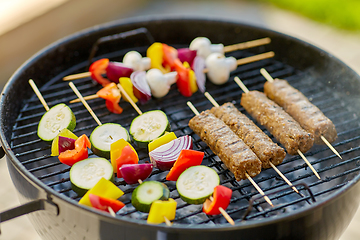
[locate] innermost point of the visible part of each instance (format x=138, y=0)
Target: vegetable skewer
x=293, y=147
x=258, y=151
x=245, y=173
x=317, y=123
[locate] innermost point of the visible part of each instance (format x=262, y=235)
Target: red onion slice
x=165, y=156
x=116, y=70
x=186, y=55
x=66, y=144
x=198, y=67
x=140, y=86
x=132, y=173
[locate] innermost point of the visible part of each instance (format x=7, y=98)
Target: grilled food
x=232, y=151
x=260, y=143
x=301, y=109
x=280, y=124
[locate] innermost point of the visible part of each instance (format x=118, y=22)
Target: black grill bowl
x=329, y=84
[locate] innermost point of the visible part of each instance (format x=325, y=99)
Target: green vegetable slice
x=53, y=121
x=103, y=136
x=146, y=193
x=86, y=173
x=149, y=126
x=197, y=183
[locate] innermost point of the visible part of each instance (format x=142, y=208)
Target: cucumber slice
x=197, y=183
x=53, y=121
x=103, y=136
x=86, y=173
x=149, y=126
x=146, y=193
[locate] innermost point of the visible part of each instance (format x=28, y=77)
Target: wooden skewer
x=111, y=211
x=167, y=221
x=122, y=90
x=230, y=48
x=213, y=101
x=38, y=94
x=269, y=78
x=246, y=45
x=76, y=91
x=245, y=90
x=90, y=97
x=224, y=213
x=191, y=106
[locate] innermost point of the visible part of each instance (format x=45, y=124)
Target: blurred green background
x=343, y=14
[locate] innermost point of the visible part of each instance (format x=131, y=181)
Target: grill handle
x=33, y=206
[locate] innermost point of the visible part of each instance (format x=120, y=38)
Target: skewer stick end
x=330, y=146
x=167, y=221
x=266, y=75
x=309, y=164
x=191, y=106
x=241, y=84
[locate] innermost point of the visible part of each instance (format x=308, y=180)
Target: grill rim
x=184, y=227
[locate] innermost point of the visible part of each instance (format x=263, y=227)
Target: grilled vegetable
x=103, y=136
x=148, y=192
x=149, y=126
x=103, y=203
x=186, y=159
x=167, y=137
x=127, y=156
x=66, y=144
x=112, y=96
x=53, y=121
x=116, y=150
x=221, y=199
x=196, y=184
x=70, y=157
x=86, y=173
x=161, y=209
x=132, y=173
x=103, y=188
x=55, y=143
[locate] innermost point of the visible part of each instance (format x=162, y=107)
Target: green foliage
x=339, y=13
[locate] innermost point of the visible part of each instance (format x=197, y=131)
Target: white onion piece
x=140, y=86
x=134, y=60
x=165, y=156
x=198, y=67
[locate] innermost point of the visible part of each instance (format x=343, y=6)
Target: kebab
x=297, y=105
x=279, y=123
x=231, y=150
x=269, y=153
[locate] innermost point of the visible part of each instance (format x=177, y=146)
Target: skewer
x=246, y=45
x=76, y=91
x=245, y=90
x=191, y=106
x=90, y=97
x=269, y=78
x=38, y=94
x=213, y=101
x=122, y=90
x=77, y=76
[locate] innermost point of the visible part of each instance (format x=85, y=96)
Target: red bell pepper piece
x=169, y=57
x=103, y=203
x=183, y=82
x=97, y=69
x=70, y=157
x=112, y=96
x=128, y=156
x=186, y=159
x=221, y=198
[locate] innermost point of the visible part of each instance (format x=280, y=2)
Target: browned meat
x=260, y=143
x=232, y=151
x=280, y=124
x=301, y=109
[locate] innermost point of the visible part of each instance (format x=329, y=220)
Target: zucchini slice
x=86, y=173
x=149, y=126
x=146, y=193
x=56, y=119
x=103, y=136
x=197, y=183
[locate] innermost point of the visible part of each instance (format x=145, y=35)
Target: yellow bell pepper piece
x=192, y=78
x=116, y=149
x=167, y=137
x=155, y=53
x=103, y=188
x=160, y=209
x=126, y=83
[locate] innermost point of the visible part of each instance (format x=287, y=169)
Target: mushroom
x=160, y=83
x=134, y=60
x=219, y=67
x=204, y=47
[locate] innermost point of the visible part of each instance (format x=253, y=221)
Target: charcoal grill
x=43, y=182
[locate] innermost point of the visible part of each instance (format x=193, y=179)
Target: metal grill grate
x=34, y=154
